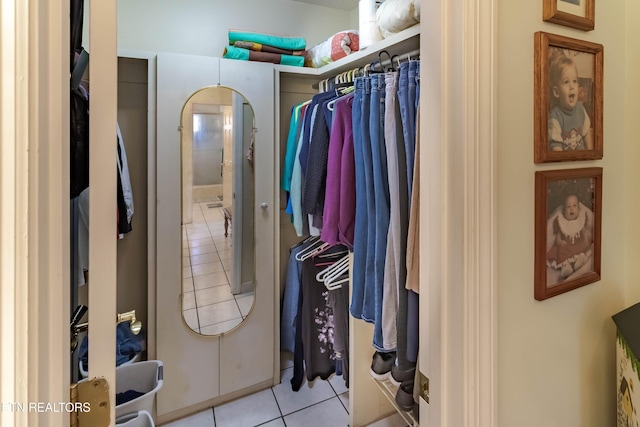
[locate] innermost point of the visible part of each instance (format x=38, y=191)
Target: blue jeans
x=381, y=199
x=368, y=308
x=407, y=97
x=360, y=231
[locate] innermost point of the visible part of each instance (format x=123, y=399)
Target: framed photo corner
x=568, y=99
x=579, y=14
x=568, y=220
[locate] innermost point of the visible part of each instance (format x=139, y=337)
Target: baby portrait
x=568, y=89
x=570, y=229
x=570, y=100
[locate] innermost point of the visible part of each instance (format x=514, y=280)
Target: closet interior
x=294, y=87
x=133, y=261
x=201, y=371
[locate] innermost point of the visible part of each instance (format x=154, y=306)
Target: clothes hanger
x=338, y=268
x=317, y=250
x=335, y=284
x=340, y=92
x=307, y=239
x=334, y=279
x=336, y=265
x=397, y=58
x=314, y=250
x=312, y=246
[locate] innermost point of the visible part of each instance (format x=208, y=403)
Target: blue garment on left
x=127, y=345
x=290, y=301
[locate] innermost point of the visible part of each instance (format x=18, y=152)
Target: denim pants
x=392, y=260
x=407, y=96
x=369, y=296
x=360, y=232
x=380, y=211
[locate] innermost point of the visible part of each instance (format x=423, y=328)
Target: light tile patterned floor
x=316, y=404
x=209, y=307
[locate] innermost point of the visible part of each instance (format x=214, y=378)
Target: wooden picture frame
x=578, y=14
x=568, y=99
x=568, y=219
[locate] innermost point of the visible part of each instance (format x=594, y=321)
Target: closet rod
x=379, y=63
x=389, y=61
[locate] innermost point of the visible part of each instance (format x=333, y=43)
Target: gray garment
x=392, y=260
x=339, y=301
x=403, y=212
x=82, y=261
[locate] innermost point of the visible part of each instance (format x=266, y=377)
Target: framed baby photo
x=578, y=14
x=567, y=99
x=568, y=218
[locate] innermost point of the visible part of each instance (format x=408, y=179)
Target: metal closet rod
x=389, y=61
x=379, y=64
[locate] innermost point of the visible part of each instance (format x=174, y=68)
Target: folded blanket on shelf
x=335, y=47
x=394, y=16
x=281, y=42
x=259, y=47
x=232, y=52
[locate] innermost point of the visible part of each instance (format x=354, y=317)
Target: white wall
x=556, y=362
x=632, y=170
x=200, y=27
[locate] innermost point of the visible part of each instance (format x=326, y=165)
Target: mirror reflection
x=218, y=257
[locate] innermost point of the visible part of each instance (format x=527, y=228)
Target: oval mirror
x=218, y=257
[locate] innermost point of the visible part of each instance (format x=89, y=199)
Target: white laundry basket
x=138, y=419
x=144, y=377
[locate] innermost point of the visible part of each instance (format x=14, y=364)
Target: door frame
x=458, y=253
x=35, y=206
x=33, y=183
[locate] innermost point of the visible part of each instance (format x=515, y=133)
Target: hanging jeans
x=369, y=309
x=380, y=211
x=392, y=260
x=360, y=234
x=407, y=99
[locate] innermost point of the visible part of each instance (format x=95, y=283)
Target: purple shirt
x=340, y=196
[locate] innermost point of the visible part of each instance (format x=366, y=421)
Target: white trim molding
x=480, y=167
x=458, y=212
x=34, y=209
x=103, y=75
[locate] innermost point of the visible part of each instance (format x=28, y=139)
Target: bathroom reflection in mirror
x=218, y=182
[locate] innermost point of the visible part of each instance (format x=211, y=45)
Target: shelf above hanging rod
x=405, y=41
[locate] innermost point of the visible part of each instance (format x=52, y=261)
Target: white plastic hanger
x=333, y=279
x=314, y=243
x=321, y=275
x=315, y=251
x=331, y=284
x=314, y=248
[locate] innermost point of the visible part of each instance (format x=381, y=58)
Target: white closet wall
x=199, y=27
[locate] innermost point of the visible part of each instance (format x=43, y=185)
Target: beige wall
x=632, y=170
x=132, y=250
x=556, y=362
x=199, y=27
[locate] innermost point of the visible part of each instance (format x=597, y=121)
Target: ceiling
x=334, y=4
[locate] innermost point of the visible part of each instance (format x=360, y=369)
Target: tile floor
x=208, y=305
x=317, y=404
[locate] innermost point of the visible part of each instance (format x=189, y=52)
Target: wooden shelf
x=397, y=44
x=389, y=390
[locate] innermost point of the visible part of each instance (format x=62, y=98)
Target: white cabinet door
x=200, y=368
